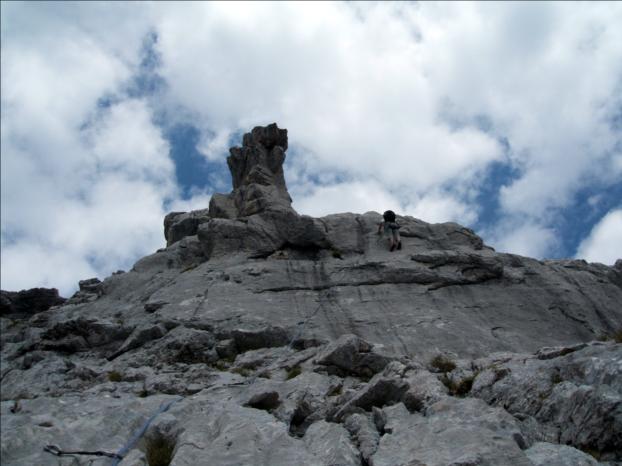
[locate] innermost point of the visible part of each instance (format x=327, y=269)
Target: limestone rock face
x=178, y=225
x=563, y=393
x=28, y=302
x=284, y=339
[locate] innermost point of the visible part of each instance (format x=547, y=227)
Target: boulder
x=424, y=389
x=81, y=334
x=379, y=392
x=364, y=432
x=576, y=392
x=549, y=454
x=267, y=337
x=185, y=345
x=331, y=445
x=139, y=337
x=453, y=432
x=353, y=355
x=265, y=400
x=178, y=225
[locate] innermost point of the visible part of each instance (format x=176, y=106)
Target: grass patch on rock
x=243, y=371
x=115, y=376
x=614, y=336
x=442, y=363
x=337, y=390
x=293, y=372
x=159, y=450
x=461, y=388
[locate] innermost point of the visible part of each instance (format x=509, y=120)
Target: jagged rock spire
x=258, y=184
x=260, y=159
x=257, y=175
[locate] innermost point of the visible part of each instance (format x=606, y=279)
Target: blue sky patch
x=193, y=170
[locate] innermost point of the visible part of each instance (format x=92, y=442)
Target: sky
x=504, y=117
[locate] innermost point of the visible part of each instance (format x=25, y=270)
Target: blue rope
x=140, y=432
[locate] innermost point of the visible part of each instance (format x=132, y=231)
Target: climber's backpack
x=389, y=216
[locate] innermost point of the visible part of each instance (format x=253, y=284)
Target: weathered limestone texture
x=284, y=339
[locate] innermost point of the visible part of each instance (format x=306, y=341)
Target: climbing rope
x=140, y=432
x=119, y=455
x=55, y=450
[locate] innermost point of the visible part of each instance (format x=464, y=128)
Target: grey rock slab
x=365, y=433
x=229, y=434
x=93, y=332
x=380, y=391
x=331, y=444
x=185, y=345
x=45, y=378
x=299, y=397
x=454, y=432
x=178, y=225
x=252, y=339
x=424, y=389
x=382, y=302
x=353, y=355
x=549, y=454
x=222, y=206
x=577, y=393
x=72, y=423
x=139, y=337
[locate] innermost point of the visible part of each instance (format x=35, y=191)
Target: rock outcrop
x=28, y=302
x=284, y=339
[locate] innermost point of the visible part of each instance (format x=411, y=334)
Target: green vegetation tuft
x=190, y=267
x=293, y=372
x=335, y=391
x=461, y=388
x=115, y=376
x=159, y=450
x=614, y=336
x=556, y=378
x=464, y=386
x=593, y=452
x=243, y=371
x=220, y=365
x=442, y=363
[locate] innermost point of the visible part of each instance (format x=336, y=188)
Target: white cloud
x=98, y=211
x=83, y=187
x=604, y=243
x=26, y=265
x=437, y=207
x=352, y=92
x=366, y=89
x=545, y=75
x=123, y=138
x=526, y=239
x=357, y=197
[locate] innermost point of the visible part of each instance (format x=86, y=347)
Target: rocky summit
x=259, y=336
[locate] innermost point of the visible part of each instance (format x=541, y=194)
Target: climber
x=391, y=230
